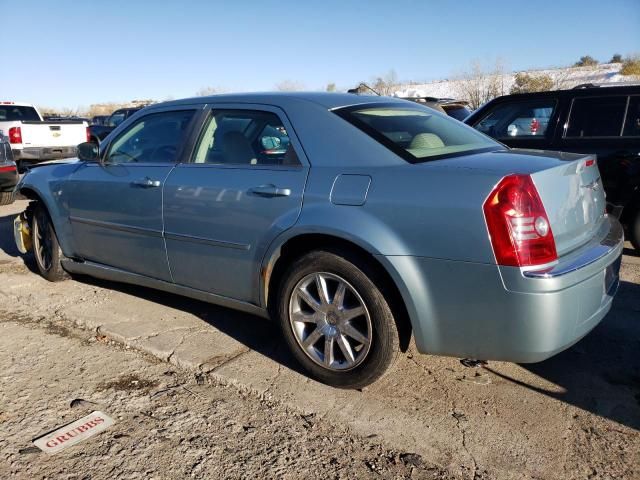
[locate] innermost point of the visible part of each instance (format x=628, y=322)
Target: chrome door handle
x=270, y=191
x=146, y=183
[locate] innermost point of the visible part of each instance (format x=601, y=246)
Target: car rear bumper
x=44, y=153
x=498, y=313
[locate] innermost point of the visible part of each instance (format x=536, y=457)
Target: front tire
x=336, y=320
x=46, y=248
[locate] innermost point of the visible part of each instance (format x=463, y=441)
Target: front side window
x=245, y=137
x=632, y=123
x=528, y=119
x=416, y=133
x=155, y=138
x=596, y=117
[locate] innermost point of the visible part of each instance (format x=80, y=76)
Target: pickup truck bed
x=35, y=140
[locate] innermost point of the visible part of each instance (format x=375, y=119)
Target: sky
x=67, y=53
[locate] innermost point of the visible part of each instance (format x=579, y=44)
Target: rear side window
x=632, y=123
x=527, y=119
x=245, y=137
x=417, y=134
x=596, y=117
x=16, y=113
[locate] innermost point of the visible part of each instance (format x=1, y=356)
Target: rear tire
x=341, y=330
x=7, y=198
x=46, y=248
x=634, y=231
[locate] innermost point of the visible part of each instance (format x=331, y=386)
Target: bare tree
x=386, y=84
x=289, y=86
x=206, y=91
x=526, y=82
x=480, y=84
x=586, y=61
x=616, y=58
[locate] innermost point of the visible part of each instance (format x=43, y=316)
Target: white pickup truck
x=34, y=140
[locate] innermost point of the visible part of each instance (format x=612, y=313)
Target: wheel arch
x=299, y=244
x=61, y=229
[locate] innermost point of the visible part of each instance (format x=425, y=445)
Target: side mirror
x=88, y=152
x=270, y=143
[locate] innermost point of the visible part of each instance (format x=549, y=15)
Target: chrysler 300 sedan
x=353, y=222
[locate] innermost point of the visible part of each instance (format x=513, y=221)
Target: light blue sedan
x=355, y=222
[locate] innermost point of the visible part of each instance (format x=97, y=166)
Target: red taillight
x=518, y=225
x=535, y=124
x=15, y=135
x=88, y=134
x=10, y=168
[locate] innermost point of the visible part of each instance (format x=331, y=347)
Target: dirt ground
x=217, y=395
x=168, y=424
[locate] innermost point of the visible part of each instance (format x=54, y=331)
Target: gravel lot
x=251, y=413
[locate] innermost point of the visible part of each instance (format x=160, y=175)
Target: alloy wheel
x=330, y=321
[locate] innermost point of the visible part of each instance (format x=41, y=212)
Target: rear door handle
x=146, y=183
x=270, y=191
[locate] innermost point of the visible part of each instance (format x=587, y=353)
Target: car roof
x=596, y=91
x=324, y=99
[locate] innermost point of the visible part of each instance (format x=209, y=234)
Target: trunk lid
x=569, y=186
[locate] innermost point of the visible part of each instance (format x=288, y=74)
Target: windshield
x=416, y=133
x=15, y=113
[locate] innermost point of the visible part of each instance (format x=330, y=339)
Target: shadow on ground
x=600, y=374
x=631, y=252
x=7, y=244
x=256, y=333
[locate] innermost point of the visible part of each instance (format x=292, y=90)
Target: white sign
x=73, y=433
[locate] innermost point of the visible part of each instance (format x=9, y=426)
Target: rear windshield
x=417, y=134
x=459, y=112
x=13, y=113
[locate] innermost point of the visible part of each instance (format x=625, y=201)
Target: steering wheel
x=164, y=152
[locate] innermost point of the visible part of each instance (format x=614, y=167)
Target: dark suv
x=457, y=109
x=98, y=132
x=603, y=120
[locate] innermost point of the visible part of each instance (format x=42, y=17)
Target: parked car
x=99, y=120
x=8, y=171
x=33, y=139
x=600, y=120
x=98, y=132
x=383, y=217
x=457, y=109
